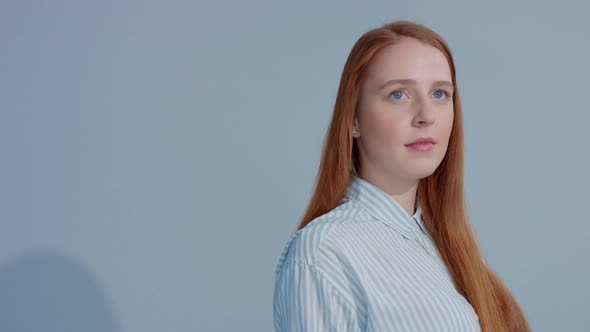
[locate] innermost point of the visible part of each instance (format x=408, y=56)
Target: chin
x=423, y=171
x=424, y=175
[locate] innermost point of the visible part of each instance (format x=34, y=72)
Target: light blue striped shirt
x=366, y=265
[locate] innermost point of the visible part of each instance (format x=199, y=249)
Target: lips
x=421, y=146
x=423, y=140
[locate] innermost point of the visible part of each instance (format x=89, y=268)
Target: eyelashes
x=399, y=93
x=446, y=94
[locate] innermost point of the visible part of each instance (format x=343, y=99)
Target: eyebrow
x=413, y=82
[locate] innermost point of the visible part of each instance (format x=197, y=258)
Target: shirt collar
x=383, y=207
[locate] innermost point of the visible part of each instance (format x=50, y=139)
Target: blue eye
x=438, y=93
x=396, y=94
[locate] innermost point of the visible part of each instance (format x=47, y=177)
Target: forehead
x=409, y=58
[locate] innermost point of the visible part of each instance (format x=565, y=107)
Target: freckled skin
x=386, y=121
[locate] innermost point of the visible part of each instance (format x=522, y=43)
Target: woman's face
x=392, y=115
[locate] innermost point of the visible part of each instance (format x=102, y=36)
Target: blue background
x=155, y=156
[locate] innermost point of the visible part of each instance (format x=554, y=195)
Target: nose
x=424, y=112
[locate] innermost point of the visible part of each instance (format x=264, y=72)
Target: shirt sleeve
x=305, y=300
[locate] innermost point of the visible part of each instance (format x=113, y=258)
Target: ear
x=356, y=126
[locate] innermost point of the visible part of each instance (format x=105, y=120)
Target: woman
x=386, y=243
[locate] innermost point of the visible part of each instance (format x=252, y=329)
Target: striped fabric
x=366, y=265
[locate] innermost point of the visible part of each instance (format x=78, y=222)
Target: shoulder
x=304, y=245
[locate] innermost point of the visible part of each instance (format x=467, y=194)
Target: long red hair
x=440, y=195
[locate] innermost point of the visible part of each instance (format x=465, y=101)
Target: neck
x=403, y=192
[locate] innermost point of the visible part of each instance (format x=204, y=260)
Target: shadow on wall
x=49, y=292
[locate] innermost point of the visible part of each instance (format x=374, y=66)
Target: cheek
x=386, y=131
x=449, y=123
x=383, y=122
x=445, y=129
